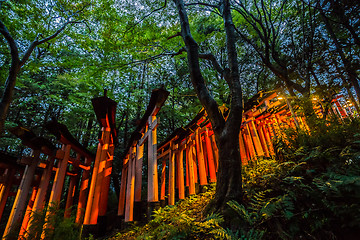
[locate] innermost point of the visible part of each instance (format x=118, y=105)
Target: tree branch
x=212, y=59
x=211, y=106
x=147, y=15
x=11, y=42
x=37, y=42
x=201, y=4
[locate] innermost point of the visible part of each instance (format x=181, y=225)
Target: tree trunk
x=11, y=79
x=229, y=179
x=7, y=95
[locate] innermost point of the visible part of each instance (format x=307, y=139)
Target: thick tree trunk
x=11, y=79
x=229, y=179
x=7, y=95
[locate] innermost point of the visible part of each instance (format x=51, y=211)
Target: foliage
x=60, y=227
x=182, y=221
x=313, y=192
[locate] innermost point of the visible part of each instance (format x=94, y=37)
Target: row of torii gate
x=181, y=166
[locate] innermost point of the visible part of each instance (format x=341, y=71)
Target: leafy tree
x=19, y=56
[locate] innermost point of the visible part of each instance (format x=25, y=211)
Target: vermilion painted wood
x=172, y=175
x=138, y=171
x=90, y=200
x=57, y=188
x=71, y=189
x=263, y=141
x=215, y=150
x=84, y=190
x=28, y=213
x=180, y=160
x=130, y=188
x=152, y=162
x=244, y=158
x=200, y=159
x=210, y=155
x=191, y=170
x=101, y=173
x=22, y=194
x=6, y=190
x=256, y=139
x=106, y=180
x=163, y=178
x=124, y=172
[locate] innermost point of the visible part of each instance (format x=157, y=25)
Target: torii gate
x=131, y=176
x=34, y=166
x=96, y=207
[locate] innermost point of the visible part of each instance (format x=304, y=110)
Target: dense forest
x=56, y=55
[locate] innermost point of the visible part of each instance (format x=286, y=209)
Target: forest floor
x=185, y=220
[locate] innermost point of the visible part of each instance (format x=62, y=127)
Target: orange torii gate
x=96, y=207
x=131, y=176
x=38, y=173
x=38, y=145
x=11, y=174
x=64, y=136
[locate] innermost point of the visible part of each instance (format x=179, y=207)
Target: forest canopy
x=307, y=47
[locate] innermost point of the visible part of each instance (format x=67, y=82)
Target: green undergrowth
x=310, y=190
x=185, y=220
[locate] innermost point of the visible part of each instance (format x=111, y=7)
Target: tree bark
x=229, y=180
x=11, y=79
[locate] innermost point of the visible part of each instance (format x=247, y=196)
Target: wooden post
x=206, y=158
x=172, y=174
x=22, y=194
x=191, y=169
x=104, y=196
x=268, y=138
x=216, y=151
x=28, y=213
x=56, y=190
x=7, y=187
x=71, y=190
x=249, y=142
x=130, y=189
x=138, y=181
x=187, y=149
x=342, y=112
x=138, y=171
x=263, y=141
x=92, y=185
x=163, y=179
x=255, y=138
x=180, y=170
x=124, y=172
x=152, y=161
x=200, y=158
x=243, y=156
x=41, y=194
x=99, y=180
x=210, y=155
x=84, y=189
x=194, y=157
